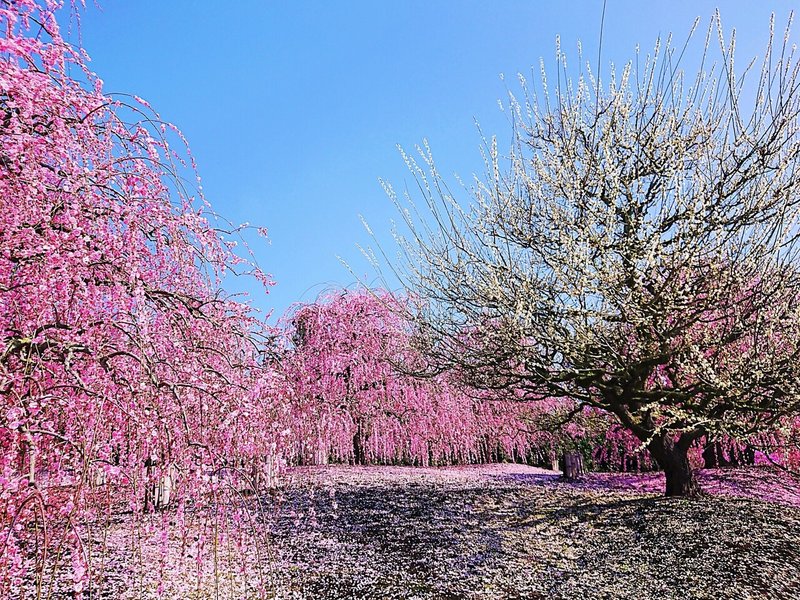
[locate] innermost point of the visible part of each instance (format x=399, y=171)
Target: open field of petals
x=497, y=532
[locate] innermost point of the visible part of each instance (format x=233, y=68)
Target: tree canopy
x=122, y=359
x=354, y=399
x=636, y=251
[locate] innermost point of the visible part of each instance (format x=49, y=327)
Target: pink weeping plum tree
x=355, y=398
x=123, y=364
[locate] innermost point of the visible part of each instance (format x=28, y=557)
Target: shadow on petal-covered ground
x=494, y=532
x=509, y=531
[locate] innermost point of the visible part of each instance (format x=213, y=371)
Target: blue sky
x=294, y=109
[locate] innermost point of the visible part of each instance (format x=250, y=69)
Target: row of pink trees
x=129, y=379
x=123, y=365
x=355, y=398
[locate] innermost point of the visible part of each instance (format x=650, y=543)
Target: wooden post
x=163, y=490
x=158, y=493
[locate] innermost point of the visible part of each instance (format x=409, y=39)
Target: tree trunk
x=359, y=451
x=714, y=455
x=748, y=456
x=158, y=492
x=572, y=466
x=673, y=458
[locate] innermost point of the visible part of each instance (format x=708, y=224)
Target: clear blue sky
x=294, y=109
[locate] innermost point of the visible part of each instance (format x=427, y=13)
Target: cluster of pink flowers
x=128, y=378
x=357, y=396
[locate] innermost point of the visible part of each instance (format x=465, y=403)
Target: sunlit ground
x=510, y=531
x=481, y=532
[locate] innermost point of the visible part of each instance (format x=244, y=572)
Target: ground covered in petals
x=509, y=531
x=486, y=532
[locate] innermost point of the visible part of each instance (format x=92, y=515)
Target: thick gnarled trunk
x=673, y=458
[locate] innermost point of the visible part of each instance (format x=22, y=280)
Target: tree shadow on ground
x=764, y=483
x=528, y=536
x=528, y=478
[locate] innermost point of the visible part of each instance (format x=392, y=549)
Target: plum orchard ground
x=499, y=532
x=509, y=531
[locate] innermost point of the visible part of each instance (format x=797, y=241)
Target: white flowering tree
x=636, y=251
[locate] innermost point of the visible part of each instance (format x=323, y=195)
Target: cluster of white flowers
x=636, y=250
